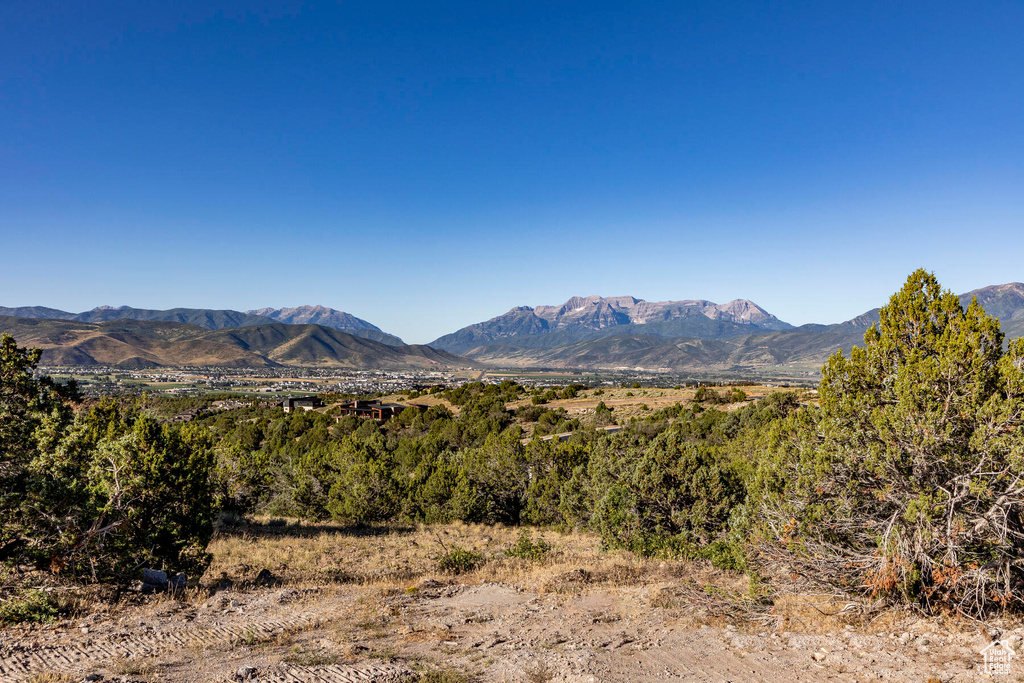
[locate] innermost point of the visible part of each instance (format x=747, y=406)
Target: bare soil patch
x=343, y=604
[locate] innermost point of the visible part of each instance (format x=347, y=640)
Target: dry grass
x=445, y=676
x=52, y=678
x=540, y=672
x=394, y=561
x=133, y=666
x=628, y=403
x=302, y=554
x=377, y=574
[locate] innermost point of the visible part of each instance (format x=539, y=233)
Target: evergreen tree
x=100, y=494
x=909, y=479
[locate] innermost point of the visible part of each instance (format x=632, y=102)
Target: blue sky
x=429, y=165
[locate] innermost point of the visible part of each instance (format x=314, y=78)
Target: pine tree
x=909, y=479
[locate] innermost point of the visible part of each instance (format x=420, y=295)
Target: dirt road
x=445, y=631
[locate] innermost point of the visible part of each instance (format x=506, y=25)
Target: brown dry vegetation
x=627, y=403
x=304, y=554
x=371, y=601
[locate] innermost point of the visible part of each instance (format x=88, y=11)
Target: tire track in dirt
x=709, y=658
x=337, y=674
x=20, y=661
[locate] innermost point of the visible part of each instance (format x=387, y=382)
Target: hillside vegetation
x=902, y=484
x=139, y=344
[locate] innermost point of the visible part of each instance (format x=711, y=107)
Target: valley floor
x=371, y=605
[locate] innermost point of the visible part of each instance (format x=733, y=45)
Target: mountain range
x=218, y=319
x=682, y=336
x=585, y=318
x=597, y=333
x=328, y=317
x=132, y=344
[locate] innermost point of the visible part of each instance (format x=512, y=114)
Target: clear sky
x=427, y=165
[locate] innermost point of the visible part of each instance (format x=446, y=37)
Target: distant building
x=381, y=412
x=304, y=402
x=357, y=408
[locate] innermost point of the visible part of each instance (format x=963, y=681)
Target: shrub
x=660, y=497
x=457, y=560
x=498, y=474
x=100, y=495
x=908, y=482
x=725, y=555
x=603, y=415
x=28, y=606
x=530, y=413
x=526, y=548
x=709, y=395
x=737, y=396
x=152, y=483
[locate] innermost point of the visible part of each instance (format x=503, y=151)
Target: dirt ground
x=372, y=605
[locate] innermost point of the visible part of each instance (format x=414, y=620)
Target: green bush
x=32, y=606
x=724, y=555
x=908, y=482
x=708, y=395
x=668, y=488
x=457, y=560
x=153, y=482
x=603, y=415
x=99, y=494
x=526, y=548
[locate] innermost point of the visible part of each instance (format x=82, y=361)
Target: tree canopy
x=908, y=478
x=99, y=494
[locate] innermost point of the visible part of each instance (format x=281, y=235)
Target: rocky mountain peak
x=589, y=317
x=328, y=317
x=744, y=310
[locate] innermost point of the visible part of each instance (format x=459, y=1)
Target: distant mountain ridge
x=217, y=319
x=40, y=312
x=328, y=317
x=800, y=349
x=1006, y=302
x=206, y=318
x=591, y=317
x=585, y=332
x=133, y=344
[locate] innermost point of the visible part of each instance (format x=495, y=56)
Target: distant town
x=101, y=381
x=277, y=383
